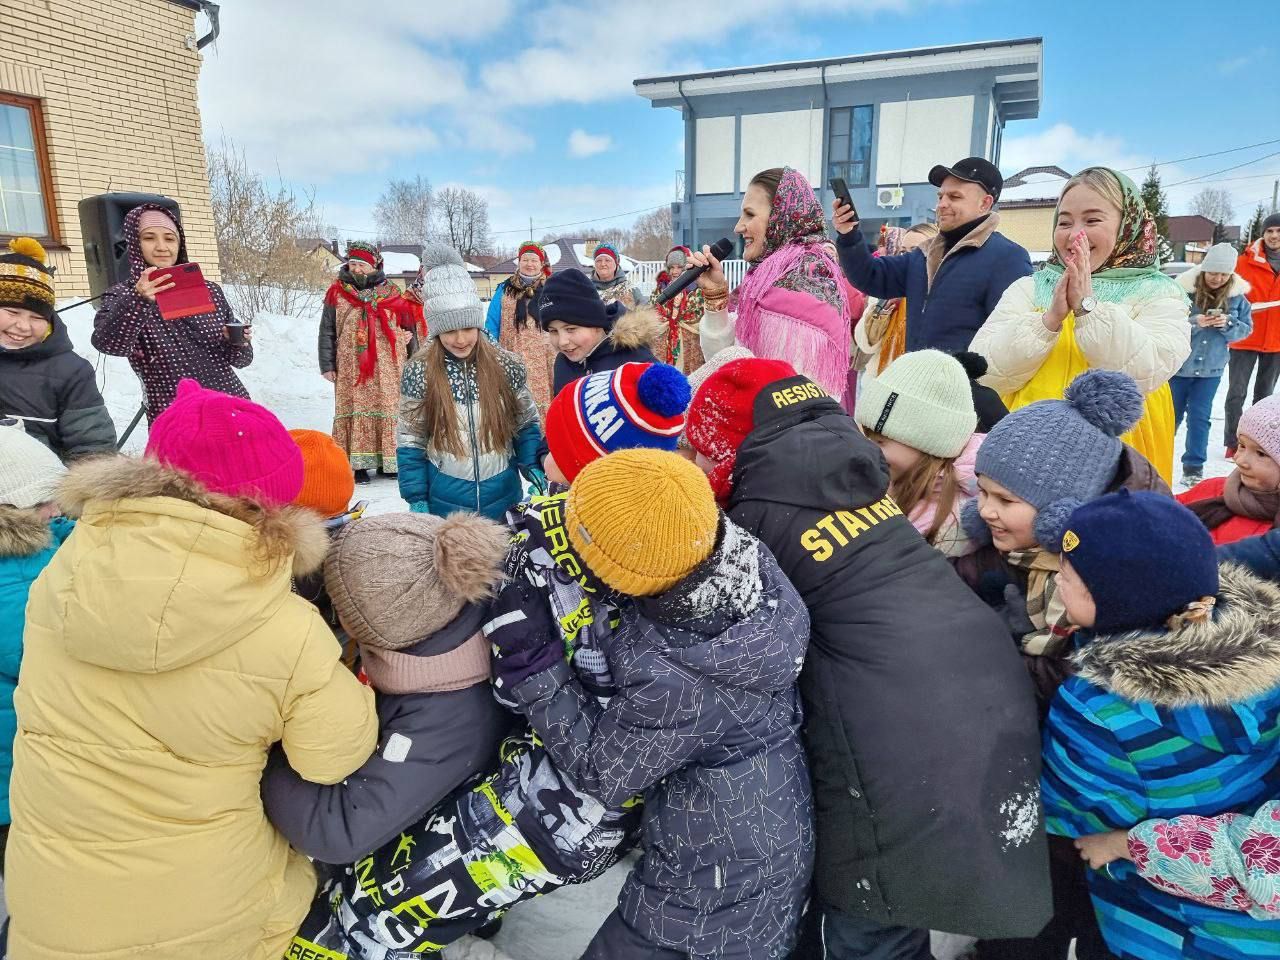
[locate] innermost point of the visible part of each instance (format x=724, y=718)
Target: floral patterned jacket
x=1231, y=861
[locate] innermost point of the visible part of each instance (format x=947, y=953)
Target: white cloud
x=307, y=90
x=583, y=144
x=1235, y=64
x=581, y=57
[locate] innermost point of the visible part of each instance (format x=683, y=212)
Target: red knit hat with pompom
x=722, y=414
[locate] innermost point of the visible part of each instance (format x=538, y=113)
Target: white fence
x=645, y=273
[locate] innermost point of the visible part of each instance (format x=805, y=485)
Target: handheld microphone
x=723, y=247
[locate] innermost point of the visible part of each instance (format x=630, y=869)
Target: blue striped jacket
x=1165, y=723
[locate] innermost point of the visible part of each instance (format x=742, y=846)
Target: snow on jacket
x=951, y=539
x=162, y=352
x=950, y=293
x=1231, y=861
x=1158, y=724
x=481, y=481
x=27, y=544
x=1209, y=345
x=1264, y=298
x=630, y=341
x=954, y=839
x=164, y=655
x=1148, y=339
x=1238, y=527
x=429, y=744
x=53, y=391
x=705, y=722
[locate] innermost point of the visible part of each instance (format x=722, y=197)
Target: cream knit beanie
x=29, y=471
x=922, y=400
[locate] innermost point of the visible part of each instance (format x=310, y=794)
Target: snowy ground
x=285, y=378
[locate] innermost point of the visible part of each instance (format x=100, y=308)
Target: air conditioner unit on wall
x=889, y=196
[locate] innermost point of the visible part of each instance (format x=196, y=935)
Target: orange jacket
x=1264, y=295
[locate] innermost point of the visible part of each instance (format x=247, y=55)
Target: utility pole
x=1275, y=195
x=531, y=229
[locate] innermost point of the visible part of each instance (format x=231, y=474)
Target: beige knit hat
x=399, y=578
x=923, y=400
x=29, y=471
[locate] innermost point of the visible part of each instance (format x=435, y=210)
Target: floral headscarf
x=796, y=216
x=1136, y=240
x=1133, y=268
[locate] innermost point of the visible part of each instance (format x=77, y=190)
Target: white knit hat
x=29, y=471
x=449, y=298
x=923, y=400
x=1221, y=258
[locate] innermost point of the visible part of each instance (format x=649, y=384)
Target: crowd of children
x=840, y=680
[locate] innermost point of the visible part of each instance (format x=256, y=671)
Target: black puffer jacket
x=52, y=390
x=919, y=719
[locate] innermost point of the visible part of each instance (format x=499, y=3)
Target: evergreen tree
x=1254, y=230
x=1219, y=232
x=1158, y=206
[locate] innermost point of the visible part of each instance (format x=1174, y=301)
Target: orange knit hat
x=327, y=481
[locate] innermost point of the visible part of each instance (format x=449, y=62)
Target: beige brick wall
x=1032, y=227
x=118, y=89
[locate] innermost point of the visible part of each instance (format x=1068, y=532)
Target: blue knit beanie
x=1057, y=454
x=571, y=297
x=1143, y=556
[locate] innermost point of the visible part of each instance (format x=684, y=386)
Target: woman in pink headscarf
x=791, y=305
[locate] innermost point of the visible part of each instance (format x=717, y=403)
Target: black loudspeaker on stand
x=102, y=226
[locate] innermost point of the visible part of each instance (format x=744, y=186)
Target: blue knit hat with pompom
x=1058, y=454
x=636, y=405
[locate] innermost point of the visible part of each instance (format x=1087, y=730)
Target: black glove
x=524, y=638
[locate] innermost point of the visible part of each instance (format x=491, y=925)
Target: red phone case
x=189, y=296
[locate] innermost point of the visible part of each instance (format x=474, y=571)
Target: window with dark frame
x=26, y=181
x=849, y=145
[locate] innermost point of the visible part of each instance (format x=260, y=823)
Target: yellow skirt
x=1152, y=437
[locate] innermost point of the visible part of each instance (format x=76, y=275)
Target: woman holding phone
x=1220, y=315
x=1100, y=302
x=163, y=352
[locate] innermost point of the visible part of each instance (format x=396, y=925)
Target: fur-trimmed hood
x=1231, y=658
x=167, y=573
x=23, y=533
x=1187, y=281
x=636, y=328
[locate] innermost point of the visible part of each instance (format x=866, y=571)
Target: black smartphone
x=841, y=190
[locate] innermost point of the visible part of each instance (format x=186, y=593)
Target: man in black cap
x=954, y=281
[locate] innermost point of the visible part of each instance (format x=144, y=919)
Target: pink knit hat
x=232, y=446
x=156, y=218
x=1261, y=424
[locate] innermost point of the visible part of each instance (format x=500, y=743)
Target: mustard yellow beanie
x=641, y=520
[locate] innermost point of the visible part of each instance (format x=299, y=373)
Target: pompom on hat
x=641, y=520
x=327, y=482
x=636, y=405
x=1058, y=454
x=231, y=446
x=26, y=280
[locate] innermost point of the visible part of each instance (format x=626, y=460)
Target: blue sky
x=531, y=103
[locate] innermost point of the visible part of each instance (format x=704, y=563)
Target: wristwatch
x=1087, y=305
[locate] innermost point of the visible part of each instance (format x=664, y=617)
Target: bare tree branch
x=403, y=212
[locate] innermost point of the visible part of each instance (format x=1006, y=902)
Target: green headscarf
x=1132, y=271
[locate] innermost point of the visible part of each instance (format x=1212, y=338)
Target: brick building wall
x=1031, y=227
x=116, y=82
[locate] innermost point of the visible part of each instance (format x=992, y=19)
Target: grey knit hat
x=1221, y=258
x=1058, y=454
x=713, y=363
x=398, y=578
x=449, y=298
x=29, y=471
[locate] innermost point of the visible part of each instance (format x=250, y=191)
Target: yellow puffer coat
x=164, y=656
